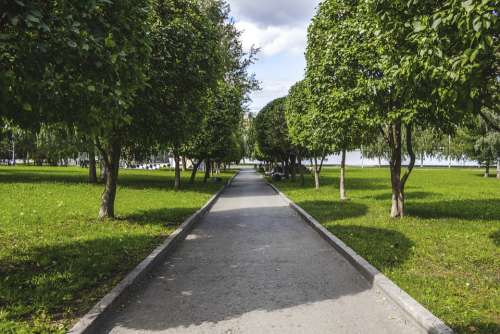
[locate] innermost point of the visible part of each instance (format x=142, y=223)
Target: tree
x=93, y=88
x=457, y=45
x=387, y=85
x=271, y=134
x=482, y=143
x=306, y=128
x=427, y=143
x=331, y=73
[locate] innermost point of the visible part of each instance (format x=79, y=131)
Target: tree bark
x=92, y=165
x=293, y=167
x=398, y=183
x=103, y=170
x=487, y=170
x=498, y=168
x=286, y=169
x=177, y=160
x=317, y=171
x=207, y=170
x=301, y=171
x=184, y=164
x=343, y=196
x=195, y=170
x=111, y=159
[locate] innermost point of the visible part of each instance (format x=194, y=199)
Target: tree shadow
x=354, y=183
x=495, y=236
x=239, y=262
x=65, y=280
x=477, y=327
x=484, y=209
x=128, y=179
x=334, y=210
x=383, y=248
x=409, y=195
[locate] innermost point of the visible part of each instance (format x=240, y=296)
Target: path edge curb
x=93, y=318
x=416, y=311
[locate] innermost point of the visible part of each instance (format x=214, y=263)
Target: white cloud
x=273, y=40
x=270, y=91
x=274, y=12
x=279, y=29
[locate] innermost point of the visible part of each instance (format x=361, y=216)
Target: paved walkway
x=253, y=266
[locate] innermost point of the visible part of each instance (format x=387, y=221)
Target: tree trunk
x=13, y=151
x=195, y=170
x=301, y=171
x=498, y=168
x=207, y=170
x=177, y=160
x=112, y=163
x=487, y=171
x=92, y=165
x=422, y=160
x=184, y=164
x=342, y=177
x=286, y=169
x=398, y=183
x=316, y=173
x=293, y=167
x=103, y=171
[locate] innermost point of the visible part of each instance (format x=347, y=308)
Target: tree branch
x=103, y=152
x=411, y=153
x=489, y=121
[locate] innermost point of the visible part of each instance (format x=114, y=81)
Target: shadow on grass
x=334, y=210
x=409, y=195
x=495, y=236
x=365, y=183
x=478, y=327
x=127, y=179
x=486, y=209
x=67, y=279
x=383, y=248
x=171, y=217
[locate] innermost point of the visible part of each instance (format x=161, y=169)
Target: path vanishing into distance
x=253, y=266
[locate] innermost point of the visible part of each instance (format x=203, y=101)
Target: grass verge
x=445, y=253
x=57, y=260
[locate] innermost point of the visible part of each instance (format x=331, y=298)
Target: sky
x=279, y=29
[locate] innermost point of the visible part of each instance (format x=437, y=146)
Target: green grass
x=57, y=260
x=445, y=253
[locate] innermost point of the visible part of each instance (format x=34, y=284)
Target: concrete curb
x=90, y=321
x=419, y=314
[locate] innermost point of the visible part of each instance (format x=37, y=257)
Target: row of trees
x=126, y=76
x=384, y=72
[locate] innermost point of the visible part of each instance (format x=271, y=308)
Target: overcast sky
x=279, y=29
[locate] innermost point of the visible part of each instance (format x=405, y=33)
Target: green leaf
x=436, y=23
x=418, y=26
x=27, y=107
x=109, y=42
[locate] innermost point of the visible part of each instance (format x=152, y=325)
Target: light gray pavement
x=253, y=266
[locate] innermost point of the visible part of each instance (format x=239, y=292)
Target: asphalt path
x=253, y=266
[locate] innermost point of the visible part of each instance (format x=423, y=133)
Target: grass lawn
x=57, y=260
x=445, y=253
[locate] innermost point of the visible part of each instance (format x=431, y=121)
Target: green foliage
x=332, y=75
x=271, y=132
x=445, y=251
x=305, y=123
x=56, y=261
